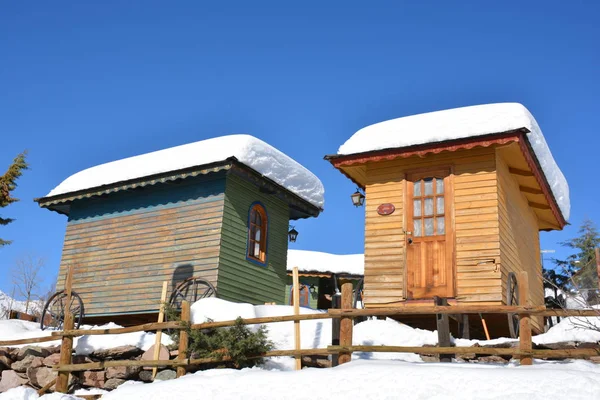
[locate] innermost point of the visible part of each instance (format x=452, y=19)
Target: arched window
x=257, y=234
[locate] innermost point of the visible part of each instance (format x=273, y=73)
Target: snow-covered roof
x=316, y=261
x=461, y=123
x=247, y=149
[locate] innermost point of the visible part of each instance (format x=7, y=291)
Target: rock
x=145, y=376
x=430, y=358
x=165, y=375
x=5, y=361
x=113, y=383
x=93, y=379
x=121, y=352
x=323, y=363
x=10, y=379
x=505, y=345
x=79, y=359
x=53, y=349
x=492, y=359
x=174, y=353
x=29, y=361
x=587, y=345
x=32, y=351
x=559, y=345
x=163, y=354
x=51, y=360
x=122, y=372
x=40, y=376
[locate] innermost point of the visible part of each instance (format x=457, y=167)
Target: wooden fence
x=343, y=350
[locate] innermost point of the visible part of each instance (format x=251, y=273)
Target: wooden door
x=430, y=245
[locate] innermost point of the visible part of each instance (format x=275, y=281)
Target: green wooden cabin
x=224, y=222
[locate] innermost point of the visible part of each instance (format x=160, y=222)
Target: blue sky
x=83, y=84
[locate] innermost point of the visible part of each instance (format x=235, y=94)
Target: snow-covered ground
x=7, y=303
x=16, y=329
x=369, y=379
x=369, y=375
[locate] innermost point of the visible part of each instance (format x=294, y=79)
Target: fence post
x=443, y=328
x=161, y=318
x=525, y=344
x=296, y=294
x=346, y=323
x=183, y=336
x=66, y=348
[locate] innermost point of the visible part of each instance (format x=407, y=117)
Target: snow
x=247, y=149
x=7, y=303
x=460, y=123
x=16, y=329
x=316, y=261
x=576, y=329
x=27, y=393
x=380, y=379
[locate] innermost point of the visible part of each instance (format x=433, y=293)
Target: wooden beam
x=66, y=350
x=527, y=189
x=539, y=205
x=525, y=342
x=161, y=316
x=520, y=172
x=346, y=324
x=183, y=337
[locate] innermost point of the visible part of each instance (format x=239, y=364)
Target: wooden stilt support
x=464, y=330
x=443, y=328
x=336, y=303
x=346, y=323
x=183, y=337
x=525, y=343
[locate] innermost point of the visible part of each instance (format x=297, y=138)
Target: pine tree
x=581, y=266
x=8, y=183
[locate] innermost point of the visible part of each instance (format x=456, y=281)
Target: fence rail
x=524, y=351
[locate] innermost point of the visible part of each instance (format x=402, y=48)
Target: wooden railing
x=344, y=350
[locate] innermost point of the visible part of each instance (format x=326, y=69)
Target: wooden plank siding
x=124, y=245
x=476, y=226
x=519, y=238
x=241, y=280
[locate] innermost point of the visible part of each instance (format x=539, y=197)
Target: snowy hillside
x=7, y=303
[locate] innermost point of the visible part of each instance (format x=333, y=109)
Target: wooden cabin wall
x=519, y=237
x=241, y=280
x=476, y=226
x=124, y=245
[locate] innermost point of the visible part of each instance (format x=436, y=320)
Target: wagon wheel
x=512, y=299
x=192, y=290
x=53, y=315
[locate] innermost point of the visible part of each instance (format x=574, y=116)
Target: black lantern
x=293, y=235
x=358, y=199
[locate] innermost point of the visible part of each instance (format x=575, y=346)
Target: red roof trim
x=518, y=136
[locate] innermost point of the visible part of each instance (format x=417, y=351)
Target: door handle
x=410, y=240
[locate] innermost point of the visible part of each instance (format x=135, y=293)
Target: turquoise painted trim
x=157, y=197
x=253, y=260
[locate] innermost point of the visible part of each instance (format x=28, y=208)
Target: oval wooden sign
x=386, y=209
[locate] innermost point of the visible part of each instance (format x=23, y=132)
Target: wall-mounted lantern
x=292, y=234
x=358, y=199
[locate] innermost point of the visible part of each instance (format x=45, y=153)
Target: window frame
x=264, y=239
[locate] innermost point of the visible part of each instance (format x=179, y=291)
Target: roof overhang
x=348, y=164
x=299, y=208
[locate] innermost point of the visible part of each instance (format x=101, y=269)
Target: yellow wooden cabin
x=454, y=202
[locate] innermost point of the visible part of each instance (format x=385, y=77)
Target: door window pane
x=439, y=186
x=441, y=226
x=429, y=206
x=417, y=227
x=417, y=188
x=439, y=209
x=428, y=186
x=428, y=226
x=417, y=208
